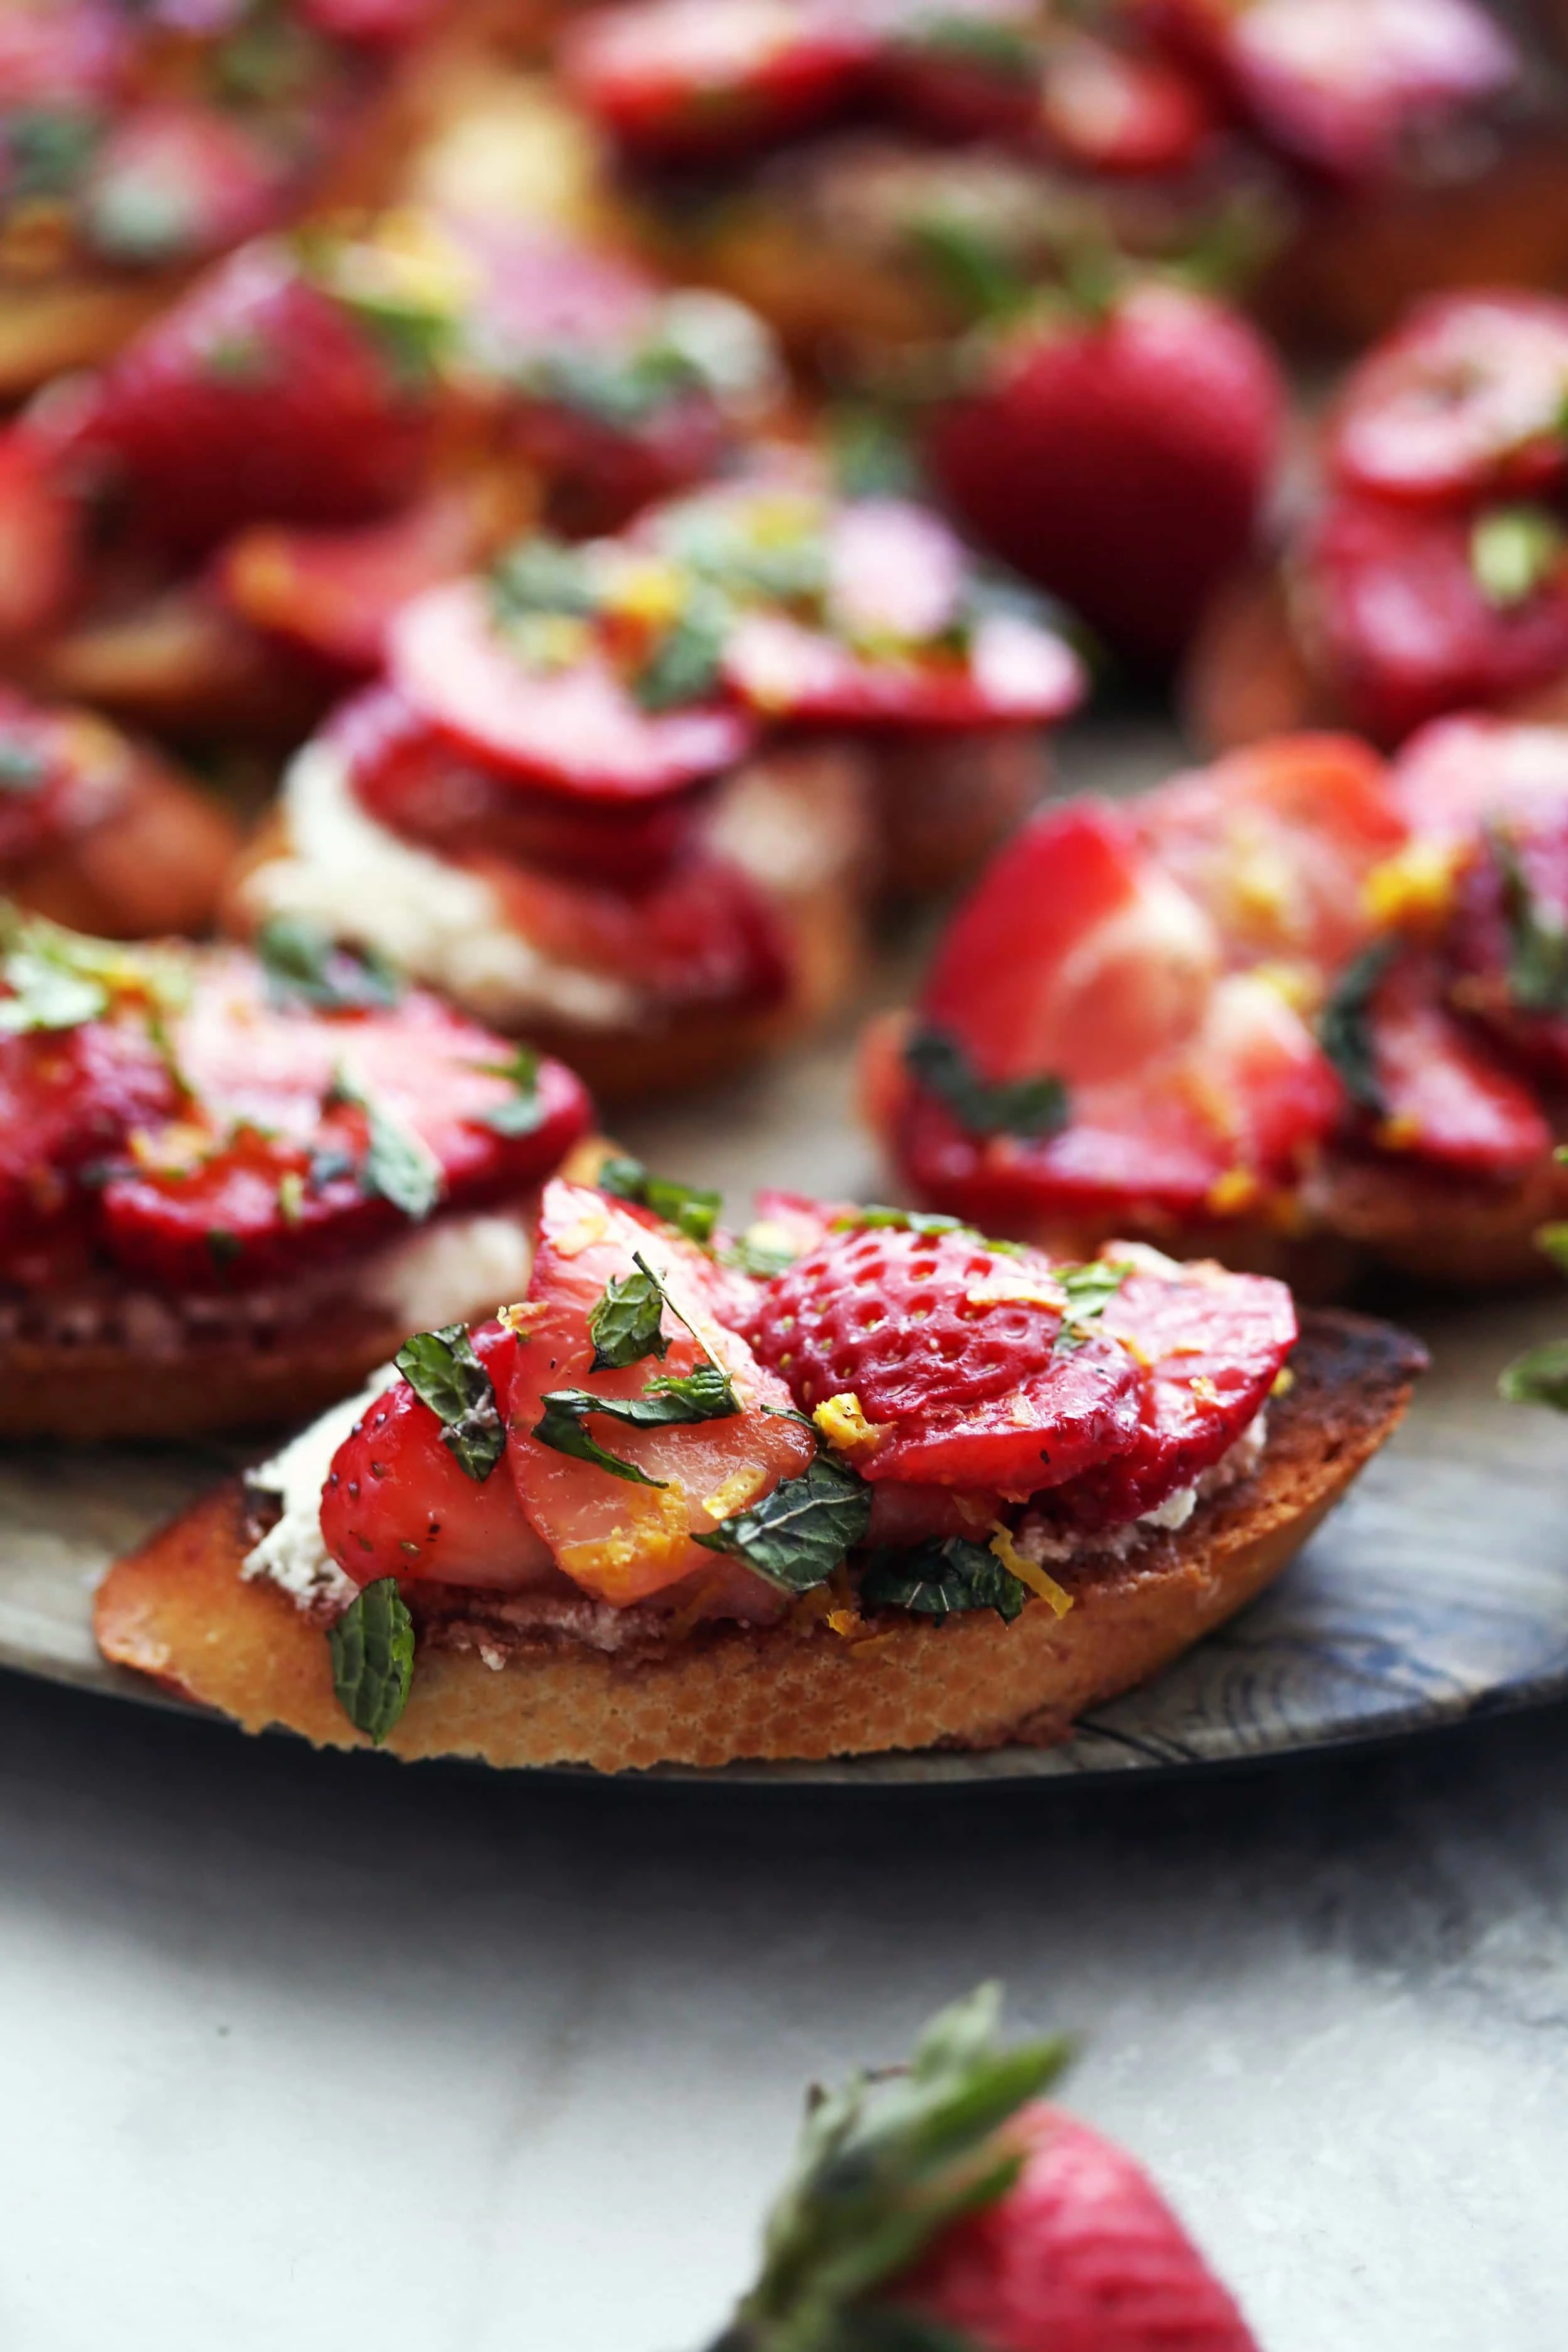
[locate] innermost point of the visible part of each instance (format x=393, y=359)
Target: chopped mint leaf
x=542, y=575
x=305, y=965
x=628, y=1322
x=1005, y=52
x=445, y=1373
x=525, y=1112
x=1034, y=1107
x=1538, y=1376
x=705, y=1395
x=1344, y=1026
x=560, y=1426
x=22, y=766
x=1538, y=940
x=872, y=456
x=48, y=150
x=684, y=665
x=884, y=2166
x=399, y=1164
x=690, y=1211
x=224, y=1247
x=939, y=1580
x=1553, y=1240
x=796, y=1536
x=972, y=266
x=47, y=995
x=1514, y=551
x=372, y=1647
x=1091, y=1289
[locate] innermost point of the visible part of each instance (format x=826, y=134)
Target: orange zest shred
x=1045, y=1588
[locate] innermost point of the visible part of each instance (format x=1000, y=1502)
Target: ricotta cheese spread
x=291, y=1554
x=445, y=926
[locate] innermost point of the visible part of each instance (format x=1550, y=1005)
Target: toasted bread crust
x=155, y=862
x=103, y=1392
x=179, y=1611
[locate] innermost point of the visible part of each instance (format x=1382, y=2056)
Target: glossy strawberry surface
x=1118, y=461
x=952, y=1350
x=257, y=397
x=1081, y=2255
x=398, y=1503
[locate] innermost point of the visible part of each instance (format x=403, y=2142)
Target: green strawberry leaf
x=797, y=1535
x=445, y=1373
x=372, y=1647
x=884, y=2167
x=1024, y=1107
x=1538, y=1376
x=942, y=1580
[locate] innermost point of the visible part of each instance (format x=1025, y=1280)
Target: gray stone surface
x=310, y=2052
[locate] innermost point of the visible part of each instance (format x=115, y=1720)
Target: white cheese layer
x=454, y=1270
x=292, y=1554
x=445, y=926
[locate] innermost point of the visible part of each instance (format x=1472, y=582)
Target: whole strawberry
x=950, y=2211
x=261, y=397
x=1119, y=459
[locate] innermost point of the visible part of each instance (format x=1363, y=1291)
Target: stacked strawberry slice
x=667, y=1423
x=1433, y=576
x=193, y=1121
x=1175, y=1014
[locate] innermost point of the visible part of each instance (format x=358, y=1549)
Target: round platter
x=1438, y=1590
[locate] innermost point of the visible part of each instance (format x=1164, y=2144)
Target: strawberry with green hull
x=942, y=2206
x=1297, y=1008
x=210, y=1155
x=1430, y=573
x=697, y=1496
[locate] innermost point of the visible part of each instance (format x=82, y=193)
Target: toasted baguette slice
x=179, y=1611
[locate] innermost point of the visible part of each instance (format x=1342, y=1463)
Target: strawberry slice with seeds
x=1209, y=1346
x=952, y=1356
x=1468, y=399
x=1438, y=1090
x=397, y=1501
x=578, y=729
x=629, y=1539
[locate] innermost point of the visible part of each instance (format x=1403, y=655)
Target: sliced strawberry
x=1276, y=843
x=69, y=1099
x=683, y=79
x=702, y=934
x=1118, y=461
x=378, y=24
x=621, y=1542
x=578, y=729
x=965, y=72
x=1400, y=623
x=1344, y=86
x=62, y=55
x=1078, y=958
x=885, y=653
x=950, y=1351
x=1443, y=1096
x=333, y=594
x=397, y=1502
x=258, y=397
x=174, y=183
x=1468, y=399
x=1209, y=1346
x=1461, y=774
x=40, y=557
x=1080, y=2254
x=1107, y=108
x=263, y=1174
x=414, y=781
